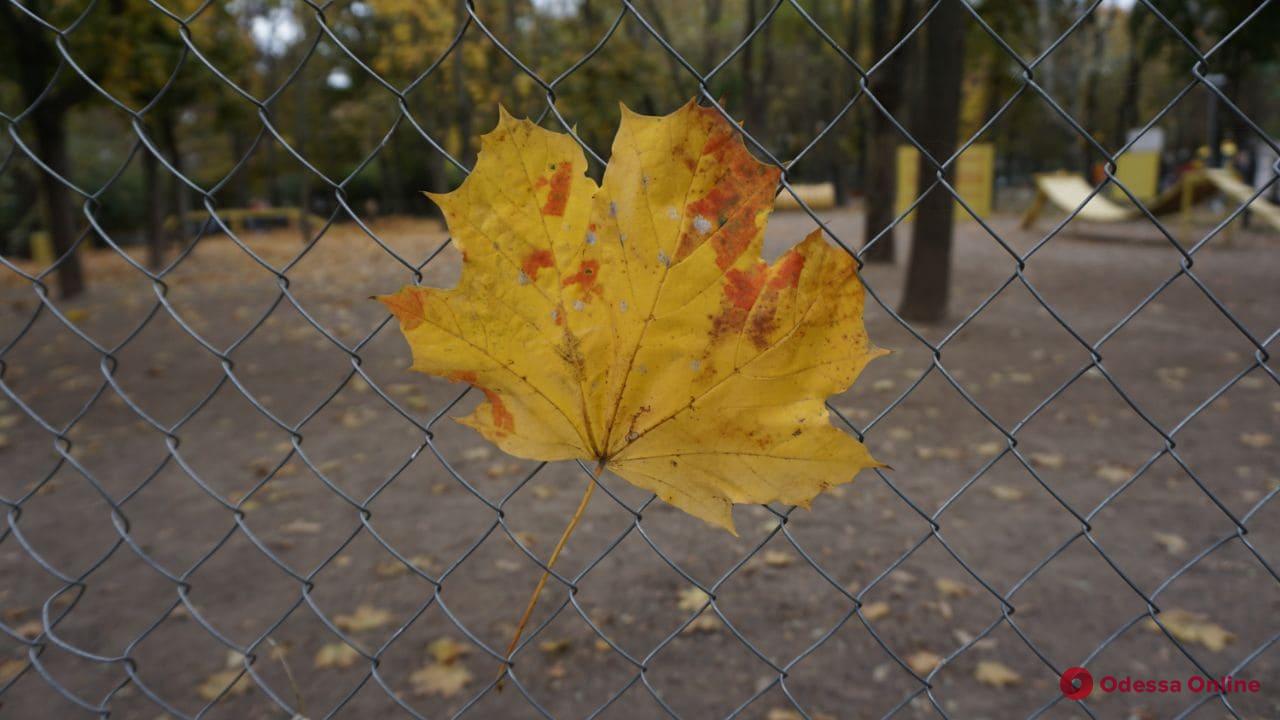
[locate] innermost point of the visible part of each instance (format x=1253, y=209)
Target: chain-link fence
x=225, y=497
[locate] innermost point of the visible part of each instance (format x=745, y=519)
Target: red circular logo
x=1076, y=683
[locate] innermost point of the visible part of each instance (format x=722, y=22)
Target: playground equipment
x=1070, y=193
x=974, y=179
x=240, y=219
x=818, y=196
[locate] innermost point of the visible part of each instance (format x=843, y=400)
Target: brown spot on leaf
x=764, y=321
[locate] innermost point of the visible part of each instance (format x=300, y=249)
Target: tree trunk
x=302, y=126
x=711, y=48
x=462, y=100
x=49, y=124
x=153, y=191
x=35, y=58
x=929, y=273
x=392, y=187
x=179, y=193
x=882, y=138
x=750, y=98
x=1127, y=111
x=1088, y=115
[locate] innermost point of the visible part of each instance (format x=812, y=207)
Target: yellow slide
x=1233, y=187
x=1068, y=191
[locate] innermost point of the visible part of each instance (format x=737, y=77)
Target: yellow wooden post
x=41, y=248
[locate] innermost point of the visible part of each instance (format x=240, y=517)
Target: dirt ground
x=161, y=590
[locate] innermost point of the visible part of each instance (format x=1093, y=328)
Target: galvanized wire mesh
x=127, y=676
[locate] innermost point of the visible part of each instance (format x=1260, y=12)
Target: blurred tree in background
x=390, y=97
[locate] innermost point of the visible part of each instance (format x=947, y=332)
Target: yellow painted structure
x=974, y=179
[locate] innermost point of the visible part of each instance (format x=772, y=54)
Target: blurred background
x=226, y=497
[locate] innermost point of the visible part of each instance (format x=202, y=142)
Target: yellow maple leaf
x=634, y=324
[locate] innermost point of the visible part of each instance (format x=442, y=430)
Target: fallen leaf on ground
x=1172, y=543
x=876, y=611
x=554, y=646
x=1173, y=377
x=441, y=680
x=1007, y=493
x=445, y=650
x=707, y=622
x=1193, y=627
x=899, y=433
x=336, y=655
x=634, y=325
x=9, y=669
x=502, y=469
x=952, y=589
x=922, y=662
x=390, y=568
x=366, y=617
x=302, y=527
x=902, y=577
x=213, y=685
x=778, y=558
x=940, y=453
x=479, y=452
x=987, y=449
x=692, y=599
x=996, y=674
x=793, y=714
x=357, y=417
x=1114, y=473
x=1257, y=440
x=1049, y=461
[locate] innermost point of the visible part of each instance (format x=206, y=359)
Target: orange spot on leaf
x=742, y=288
x=502, y=418
x=586, y=278
x=406, y=305
x=558, y=196
x=787, y=274
x=535, y=261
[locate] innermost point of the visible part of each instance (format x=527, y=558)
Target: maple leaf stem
x=555, y=555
